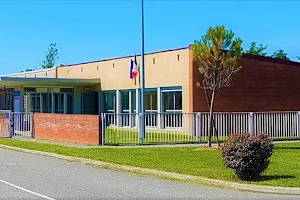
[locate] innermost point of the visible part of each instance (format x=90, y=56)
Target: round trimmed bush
x=248, y=155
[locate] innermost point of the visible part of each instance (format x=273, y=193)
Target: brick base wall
x=83, y=129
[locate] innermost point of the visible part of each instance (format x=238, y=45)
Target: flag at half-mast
x=133, y=68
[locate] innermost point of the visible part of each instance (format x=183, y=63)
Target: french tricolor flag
x=133, y=68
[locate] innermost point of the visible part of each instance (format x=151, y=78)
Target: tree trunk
x=211, y=117
x=213, y=120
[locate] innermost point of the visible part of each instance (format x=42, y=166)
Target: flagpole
x=143, y=130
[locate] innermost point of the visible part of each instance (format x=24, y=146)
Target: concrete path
x=28, y=176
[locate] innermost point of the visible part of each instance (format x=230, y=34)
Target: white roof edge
x=29, y=72
x=7, y=78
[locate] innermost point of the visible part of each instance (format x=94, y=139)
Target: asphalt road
x=27, y=176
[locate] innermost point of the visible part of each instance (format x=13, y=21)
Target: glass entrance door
x=88, y=103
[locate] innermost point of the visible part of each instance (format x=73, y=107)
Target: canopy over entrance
x=18, y=81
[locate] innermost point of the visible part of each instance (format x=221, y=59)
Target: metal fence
x=118, y=129
x=22, y=124
x=160, y=128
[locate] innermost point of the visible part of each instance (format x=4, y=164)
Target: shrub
x=248, y=155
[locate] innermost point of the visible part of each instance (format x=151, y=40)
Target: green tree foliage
x=216, y=54
x=257, y=49
x=51, y=57
x=280, y=54
x=28, y=70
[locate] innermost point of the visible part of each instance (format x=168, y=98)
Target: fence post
x=10, y=124
x=103, y=128
x=251, y=124
x=141, y=137
x=298, y=124
x=198, y=124
x=31, y=121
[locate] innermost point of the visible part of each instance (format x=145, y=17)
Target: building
x=263, y=84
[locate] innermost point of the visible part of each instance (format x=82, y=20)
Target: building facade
x=263, y=84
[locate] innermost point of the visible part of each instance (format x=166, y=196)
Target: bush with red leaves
x=248, y=155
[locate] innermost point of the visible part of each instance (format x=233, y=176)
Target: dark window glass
x=125, y=101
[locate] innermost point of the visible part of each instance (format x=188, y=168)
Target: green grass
x=129, y=136
x=283, y=170
x=123, y=136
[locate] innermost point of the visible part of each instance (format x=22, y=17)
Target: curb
x=169, y=175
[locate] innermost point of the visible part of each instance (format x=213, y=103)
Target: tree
x=28, y=70
x=298, y=57
x=255, y=49
x=216, y=54
x=280, y=54
x=51, y=57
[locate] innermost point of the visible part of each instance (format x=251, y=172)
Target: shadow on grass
x=274, y=177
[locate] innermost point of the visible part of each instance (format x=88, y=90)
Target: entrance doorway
x=90, y=103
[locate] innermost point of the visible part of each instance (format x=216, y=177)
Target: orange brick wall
x=83, y=129
x=263, y=84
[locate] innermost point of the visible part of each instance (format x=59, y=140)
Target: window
x=153, y=60
x=68, y=71
x=151, y=101
x=47, y=107
x=133, y=101
x=125, y=101
x=172, y=101
x=109, y=106
x=109, y=99
x=67, y=90
x=151, y=108
x=69, y=103
x=81, y=69
x=113, y=65
x=172, y=107
x=177, y=57
x=97, y=68
x=51, y=100
x=29, y=89
x=46, y=74
x=35, y=103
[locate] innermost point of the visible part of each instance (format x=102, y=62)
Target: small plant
x=248, y=155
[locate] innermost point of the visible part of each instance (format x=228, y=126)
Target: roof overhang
x=71, y=82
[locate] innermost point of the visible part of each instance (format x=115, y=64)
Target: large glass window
x=47, y=106
x=151, y=108
x=125, y=101
x=172, y=101
x=35, y=103
x=151, y=101
x=133, y=101
x=109, y=103
x=7, y=99
x=125, y=108
x=172, y=108
x=45, y=99
x=109, y=106
x=69, y=103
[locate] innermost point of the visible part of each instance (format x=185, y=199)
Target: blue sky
x=99, y=29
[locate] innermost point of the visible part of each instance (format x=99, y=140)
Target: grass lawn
x=283, y=170
x=131, y=136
